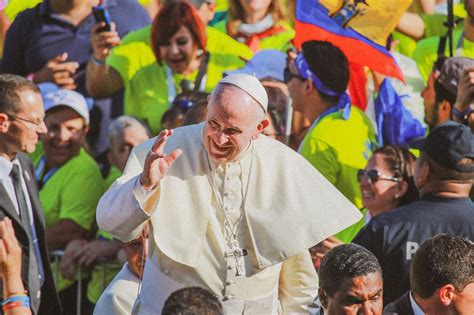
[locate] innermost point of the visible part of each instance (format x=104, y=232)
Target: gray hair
x=118, y=125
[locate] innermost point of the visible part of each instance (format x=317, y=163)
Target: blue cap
x=265, y=63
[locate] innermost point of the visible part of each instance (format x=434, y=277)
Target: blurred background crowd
x=354, y=108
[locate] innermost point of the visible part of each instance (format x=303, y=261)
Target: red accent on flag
x=356, y=50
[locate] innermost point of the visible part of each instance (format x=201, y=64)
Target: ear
x=446, y=294
x=323, y=298
x=4, y=123
x=262, y=125
x=402, y=188
x=444, y=110
x=308, y=86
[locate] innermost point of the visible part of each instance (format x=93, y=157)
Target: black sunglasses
x=288, y=75
x=373, y=176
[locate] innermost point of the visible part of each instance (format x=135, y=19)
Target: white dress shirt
x=414, y=306
x=7, y=182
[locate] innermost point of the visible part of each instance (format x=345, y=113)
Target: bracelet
x=97, y=61
x=15, y=301
x=458, y=114
x=22, y=293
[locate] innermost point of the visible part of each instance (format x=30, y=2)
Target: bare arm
x=10, y=266
x=411, y=24
x=60, y=234
x=101, y=79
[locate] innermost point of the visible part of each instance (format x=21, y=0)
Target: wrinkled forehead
x=232, y=105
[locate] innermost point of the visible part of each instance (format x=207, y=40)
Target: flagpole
x=450, y=25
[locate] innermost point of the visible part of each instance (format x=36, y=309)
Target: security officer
x=443, y=175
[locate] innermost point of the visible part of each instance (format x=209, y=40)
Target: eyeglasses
x=288, y=75
x=37, y=123
x=373, y=176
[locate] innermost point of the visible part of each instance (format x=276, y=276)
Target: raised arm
x=101, y=79
x=126, y=206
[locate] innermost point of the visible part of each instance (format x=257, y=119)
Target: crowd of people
x=189, y=157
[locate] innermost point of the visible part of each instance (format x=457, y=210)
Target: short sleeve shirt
x=338, y=148
x=72, y=192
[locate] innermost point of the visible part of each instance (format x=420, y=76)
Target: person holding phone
x=50, y=43
x=158, y=62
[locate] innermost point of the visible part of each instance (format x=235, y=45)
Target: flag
x=314, y=23
x=395, y=124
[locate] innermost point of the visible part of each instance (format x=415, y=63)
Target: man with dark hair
x=442, y=279
x=317, y=80
x=350, y=280
x=192, y=300
x=443, y=175
x=21, y=123
x=440, y=93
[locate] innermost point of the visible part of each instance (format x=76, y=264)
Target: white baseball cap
x=71, y=99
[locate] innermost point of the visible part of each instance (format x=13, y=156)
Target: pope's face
x=232, y=121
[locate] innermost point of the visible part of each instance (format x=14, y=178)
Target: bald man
x=231, y=210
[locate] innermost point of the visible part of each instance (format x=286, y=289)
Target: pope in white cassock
x=231, y=210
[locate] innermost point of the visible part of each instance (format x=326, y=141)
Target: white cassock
x=270, y=201
x=120, y=295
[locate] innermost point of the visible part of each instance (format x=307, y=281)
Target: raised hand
x=10, y=259
x=465, y=94
x=103, y=42
x=58, y=71
x=157, y=163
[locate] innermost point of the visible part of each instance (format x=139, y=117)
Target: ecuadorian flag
x=314, y=23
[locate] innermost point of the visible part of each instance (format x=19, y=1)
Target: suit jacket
x=401, y=306
x=49, y=298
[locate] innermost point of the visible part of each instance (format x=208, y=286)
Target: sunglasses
x=288, y=75
x=373, y=176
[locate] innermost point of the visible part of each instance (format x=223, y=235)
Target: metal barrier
x=104, y=263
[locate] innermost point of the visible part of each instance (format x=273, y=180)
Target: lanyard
x=41, y=180
x=171, y=84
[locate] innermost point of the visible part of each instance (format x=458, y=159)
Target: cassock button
x=227, y=208
x=226, y=193
x=229, y=177
x=227, y=297
x=229, y=267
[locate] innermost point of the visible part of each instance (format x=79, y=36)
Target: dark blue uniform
x=395, y=236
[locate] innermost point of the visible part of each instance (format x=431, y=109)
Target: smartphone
x=102, y=15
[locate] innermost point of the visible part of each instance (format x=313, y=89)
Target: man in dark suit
x=21, y=122
x=441, y=279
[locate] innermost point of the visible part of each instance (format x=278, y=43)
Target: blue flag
x=395, y=124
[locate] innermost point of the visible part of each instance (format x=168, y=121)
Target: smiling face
x=25, y=126
x=381, y=195
x=180, y=53
x=233, y=119
x=358, y=295
x=66, y=133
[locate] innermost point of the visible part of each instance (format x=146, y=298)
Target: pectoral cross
x=238, y=254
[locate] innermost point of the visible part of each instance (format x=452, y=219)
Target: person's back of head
x=442, y=275
x=350, y=278
x=329, y=64
x=192, y=301
x=446, y=162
